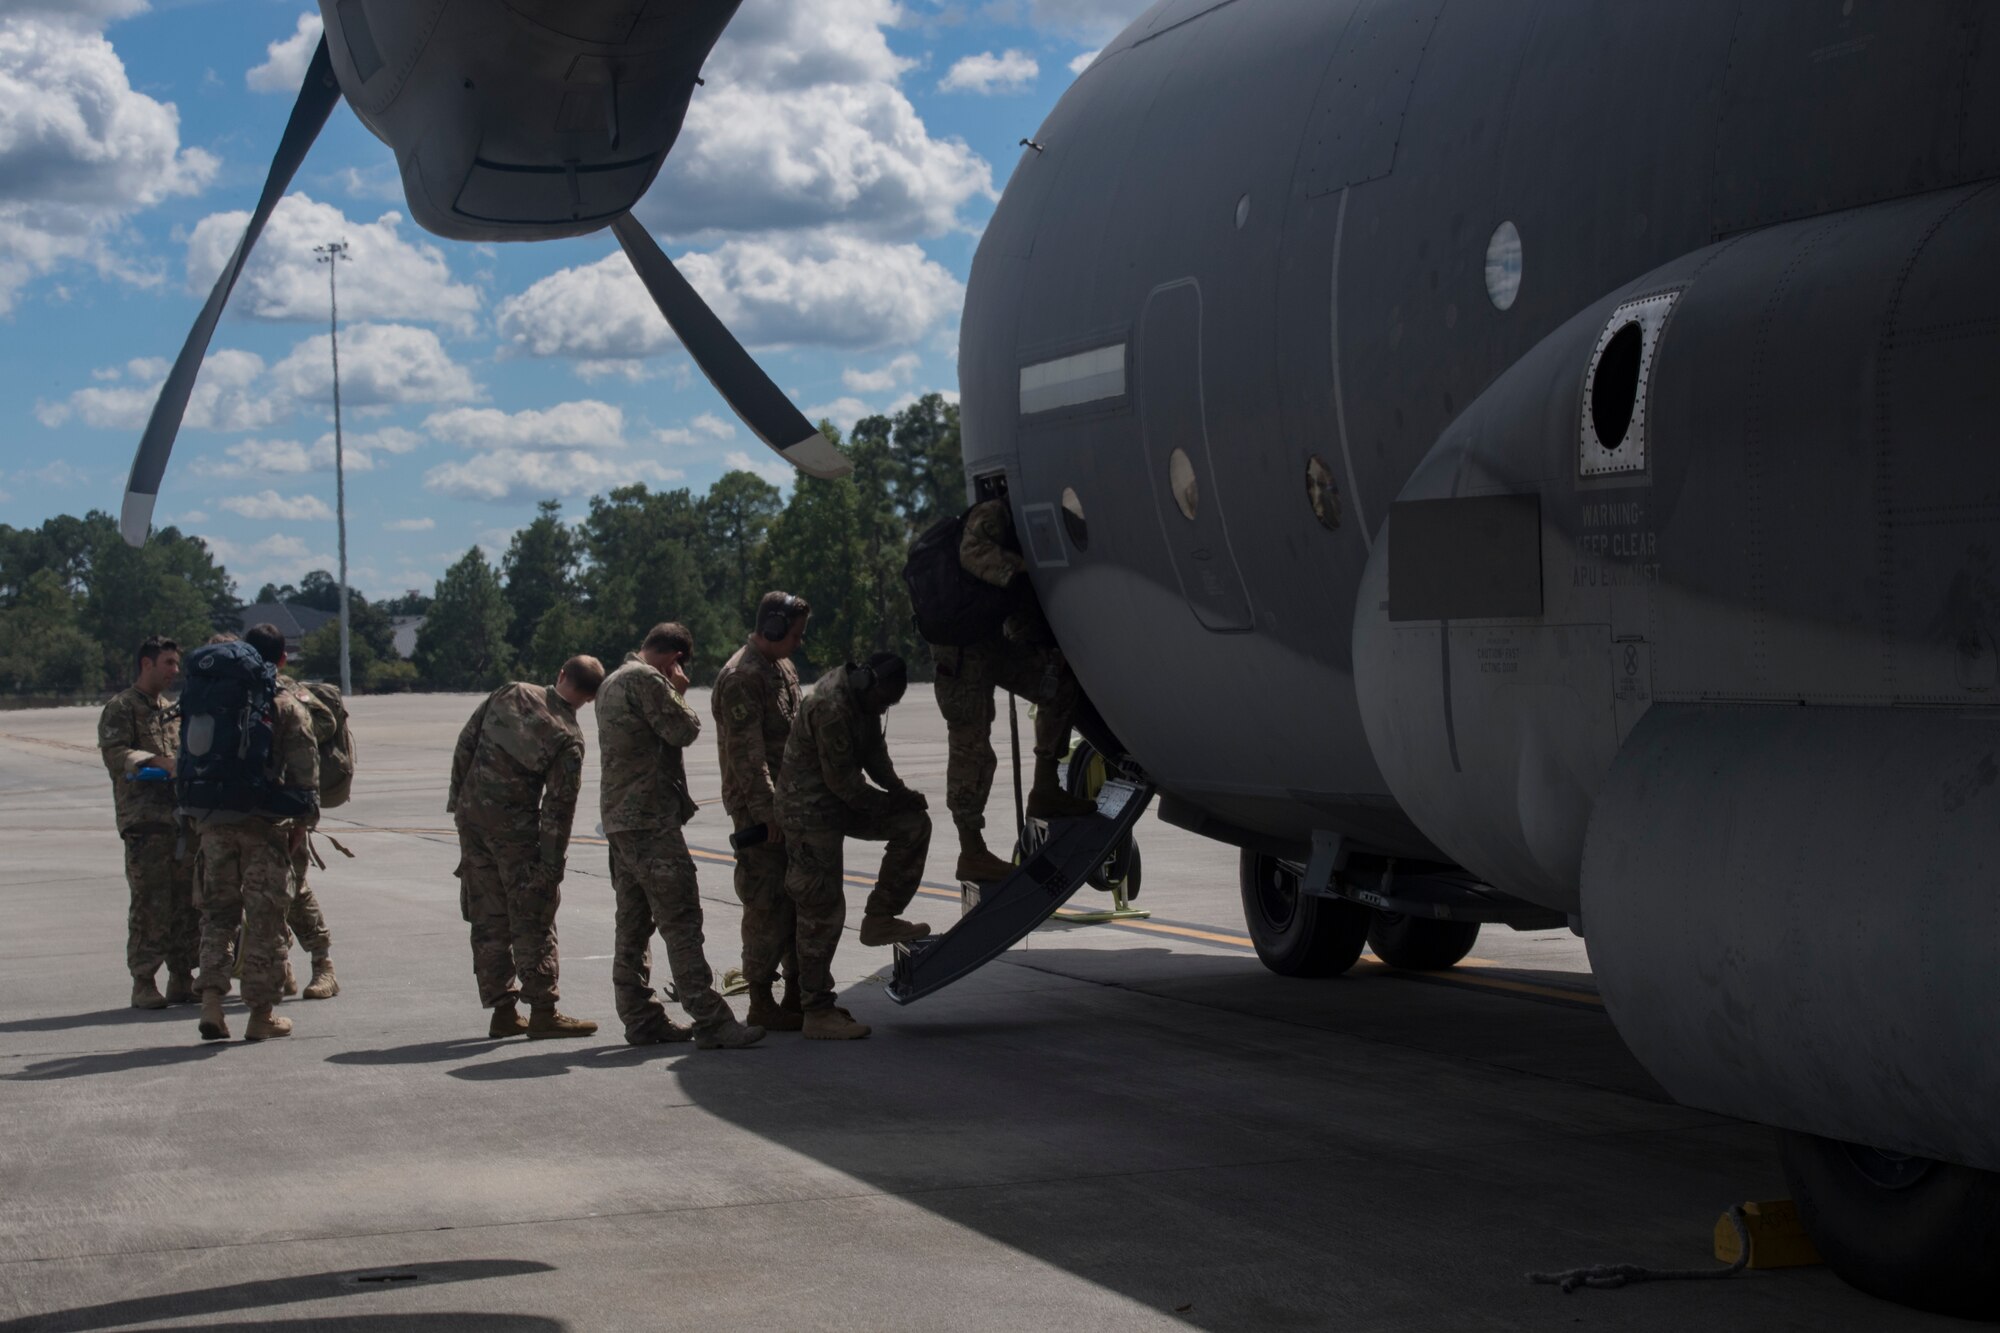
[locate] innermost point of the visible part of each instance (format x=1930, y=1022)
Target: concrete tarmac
x=1127, y=1126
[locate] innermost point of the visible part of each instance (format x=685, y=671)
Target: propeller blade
x=317, y=98
x=763, y=406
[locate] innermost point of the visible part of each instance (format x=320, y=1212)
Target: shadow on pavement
x=546, y=1063
x=468, y=1320
x=103, y=1018
x=245, y=1296
x=120, y=1062
x=419, y=1053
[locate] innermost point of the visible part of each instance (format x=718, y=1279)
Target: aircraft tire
x=1123, y=862
x=1420, y=944
x=1911, y=1230
x=1298, y=934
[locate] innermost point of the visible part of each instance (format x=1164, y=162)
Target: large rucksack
x=337, y=756
x=228, y=698
x=953, y=608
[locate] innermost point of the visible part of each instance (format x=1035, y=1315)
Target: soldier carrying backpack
x=973, y=603
x=335, y=742
x=248, y=776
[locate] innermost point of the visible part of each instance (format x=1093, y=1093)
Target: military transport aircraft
x=512, y=120
x=1529, y=462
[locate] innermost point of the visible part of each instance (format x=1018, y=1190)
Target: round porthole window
x=1073, y=520
x=1324, y=494
x=1180, y=479
x=1503, y=265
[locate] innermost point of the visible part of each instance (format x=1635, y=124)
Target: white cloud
x=883, y=378
x=192, y=516
x=772, y=469
x=286, y=60
x=384, y=277
x=80, y=150
x=986, y=73
x=55, y=472
x=583, y=425
x=281, y=558
x=281, y=508
x=410, y=524
x=517, y=475
x=708, y=428
x=822, y=288
x=227, y=396
x=802, y=123
x=842, y=412
x=1082, y=62
x=289, y=458
x=380, y=365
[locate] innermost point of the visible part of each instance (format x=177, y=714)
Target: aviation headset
x=777, y=622
x=862, y=676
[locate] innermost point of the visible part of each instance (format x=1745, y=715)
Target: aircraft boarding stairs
x=1056, y=860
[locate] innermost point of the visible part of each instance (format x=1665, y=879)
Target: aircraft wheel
x=1420, y=944
x=1912, y=1230
x=1298, y=934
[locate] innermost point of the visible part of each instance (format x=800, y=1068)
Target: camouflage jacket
x=324, y=723
x=643, y=724
x=294, y=759
x=131, y=729
x=834, y=748
x=755, y=702
x=990, y=551
x=518, y=766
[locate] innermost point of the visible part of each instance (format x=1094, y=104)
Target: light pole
x=331, y=254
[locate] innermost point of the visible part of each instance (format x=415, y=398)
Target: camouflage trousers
x=246, y=884
x=305, y=919
x=510, y=900
x=653, y=879
x=814, y=881
x=966, y=679
x=161, y=925
x=769, y=919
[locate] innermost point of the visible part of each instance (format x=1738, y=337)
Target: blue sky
x=826, y=197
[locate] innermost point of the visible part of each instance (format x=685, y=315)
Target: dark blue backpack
x=228, y=703
x=953, y=608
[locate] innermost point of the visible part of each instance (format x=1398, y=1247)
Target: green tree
x=319, y=656
x=41, y=649
x=643, y=569
x=563, y=632
x=737, y=515
x=463, y=644
x=929, y=473
x=165, y=587
x=540, y=568
x=816, y=547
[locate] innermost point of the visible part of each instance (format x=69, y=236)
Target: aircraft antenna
x=331, y=254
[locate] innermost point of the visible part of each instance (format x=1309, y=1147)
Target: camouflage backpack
x=335, y=739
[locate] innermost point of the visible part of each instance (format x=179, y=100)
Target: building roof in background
x=294, y=622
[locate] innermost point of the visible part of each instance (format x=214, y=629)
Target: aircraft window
x=1073, y=520
x=1180, y=479
x=1068, y=381
x=1324, y=494
x=1614, y=388
x=1503, y=265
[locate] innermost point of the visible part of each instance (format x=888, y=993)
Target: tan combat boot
x=658, y=1034
x=833, y=1024
x=726, y=1034
x=291, y=983
x=890, y=930
x=180, y=989
x=323, y=986
x=544, y=1023
x=507, y=1021
x=146, y=995
x=766, y=1012
x=212, y=1026
x=264, y=1025
x=977, y=864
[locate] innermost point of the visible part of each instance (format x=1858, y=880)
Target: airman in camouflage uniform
x=246, y=871
x=643, y=725
x=1023, y=660
x=823, y=795
x=305, y=919
x=514, y=782
x=756, y=697
x=137, y=730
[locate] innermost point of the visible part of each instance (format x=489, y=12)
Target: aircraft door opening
x=1178, y=461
